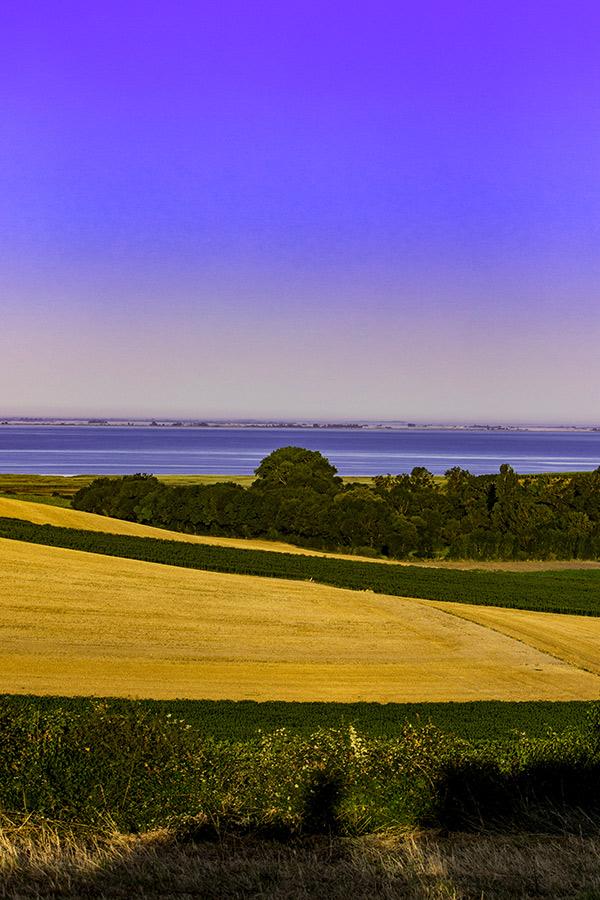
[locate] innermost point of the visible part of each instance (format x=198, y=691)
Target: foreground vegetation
x=44, y=864
x=137, y=769
x=116, y=798
x=297, y=497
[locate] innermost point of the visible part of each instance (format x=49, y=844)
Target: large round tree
x=295, y=467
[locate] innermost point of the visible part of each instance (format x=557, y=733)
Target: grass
x=417, y=866
x=79, y=623
x=46, y=499
x=66, y=485
x=43, y=485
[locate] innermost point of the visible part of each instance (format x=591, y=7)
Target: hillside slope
x=73, y=623
x=43, y=514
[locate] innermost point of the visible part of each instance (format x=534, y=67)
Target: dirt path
x=574, y=639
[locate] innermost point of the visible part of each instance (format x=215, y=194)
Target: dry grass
x=411, y=867
x=513, y=565
x=73, y=623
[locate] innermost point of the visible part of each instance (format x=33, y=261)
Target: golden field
x=574, y=639
x=74, y=623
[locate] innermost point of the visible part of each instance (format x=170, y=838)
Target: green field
x=38, y=487
x=243, y=720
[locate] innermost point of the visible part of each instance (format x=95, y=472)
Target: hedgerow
x=133, y=770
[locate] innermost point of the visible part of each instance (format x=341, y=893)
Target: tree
x=363, y=518
x=293, y=489
x=295, y=467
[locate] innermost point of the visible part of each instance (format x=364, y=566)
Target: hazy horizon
x=291, y=422
x=301, y=211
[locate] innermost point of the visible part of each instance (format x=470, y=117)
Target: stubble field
x=77, y=623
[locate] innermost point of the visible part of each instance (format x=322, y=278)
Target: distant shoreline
x=296, y=426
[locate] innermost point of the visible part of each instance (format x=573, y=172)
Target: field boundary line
x=469, y=612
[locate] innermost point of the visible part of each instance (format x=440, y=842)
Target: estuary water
x=164, y=450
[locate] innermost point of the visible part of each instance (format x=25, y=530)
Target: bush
x=133, y=771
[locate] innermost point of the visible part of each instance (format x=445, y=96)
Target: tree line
x=298, y=497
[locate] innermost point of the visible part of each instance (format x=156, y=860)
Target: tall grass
x=44, y=864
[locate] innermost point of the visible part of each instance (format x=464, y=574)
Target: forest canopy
x=298, y=497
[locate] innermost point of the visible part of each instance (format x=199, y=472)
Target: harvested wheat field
x=73, y=623
x=574, y=639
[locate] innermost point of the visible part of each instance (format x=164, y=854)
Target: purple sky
x=284, y=209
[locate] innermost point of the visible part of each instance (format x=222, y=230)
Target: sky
x=306, y=209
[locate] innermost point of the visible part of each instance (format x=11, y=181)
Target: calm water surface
x=74, y=450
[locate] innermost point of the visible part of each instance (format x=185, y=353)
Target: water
x=74, y=450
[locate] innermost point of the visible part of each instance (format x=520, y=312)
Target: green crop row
x=576, y=592
x=243, y=720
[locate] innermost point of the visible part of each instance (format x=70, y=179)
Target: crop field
x=242, y=721
x=78, y=623
x=571, y=638
x=74, y=622
x=575, y=593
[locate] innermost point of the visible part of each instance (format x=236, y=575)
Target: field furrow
x=574, y=639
